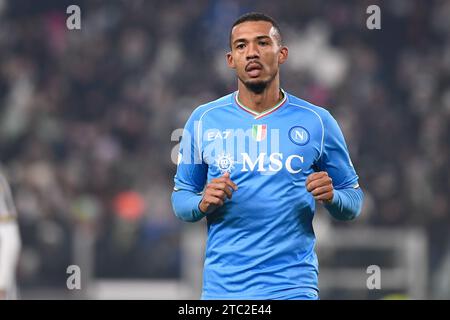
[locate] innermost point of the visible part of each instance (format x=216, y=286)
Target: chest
x=288, y=144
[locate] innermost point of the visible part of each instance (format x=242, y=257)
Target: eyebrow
x=257, y=38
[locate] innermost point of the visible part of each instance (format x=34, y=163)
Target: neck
x=260, y=102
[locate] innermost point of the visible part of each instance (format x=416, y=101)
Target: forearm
x=185, y=205
x=346, y=203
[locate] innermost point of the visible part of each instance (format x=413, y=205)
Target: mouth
x=253, y=69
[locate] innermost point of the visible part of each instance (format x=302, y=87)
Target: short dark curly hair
x=257, y=16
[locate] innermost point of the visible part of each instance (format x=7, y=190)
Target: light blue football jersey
x=261, y=242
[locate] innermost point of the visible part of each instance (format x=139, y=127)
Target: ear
x=283, y=54
x=230, y=61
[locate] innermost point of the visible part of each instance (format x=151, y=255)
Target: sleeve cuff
x=195, y=205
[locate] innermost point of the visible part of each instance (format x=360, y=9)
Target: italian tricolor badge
x=259, y=131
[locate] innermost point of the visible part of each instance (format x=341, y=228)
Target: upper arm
x=191, y=169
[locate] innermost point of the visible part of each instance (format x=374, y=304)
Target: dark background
x=86, y=118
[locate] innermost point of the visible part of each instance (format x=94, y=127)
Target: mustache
x=252, y=63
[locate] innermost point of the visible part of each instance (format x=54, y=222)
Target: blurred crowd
x=87, y=116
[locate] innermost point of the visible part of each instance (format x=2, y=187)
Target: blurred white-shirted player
x=9, y=242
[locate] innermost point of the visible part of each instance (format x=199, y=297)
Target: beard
x=257, y=86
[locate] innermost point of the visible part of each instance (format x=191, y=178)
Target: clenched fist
x=320, y=185
x=215, y=193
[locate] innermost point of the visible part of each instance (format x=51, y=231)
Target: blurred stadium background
x=86, y=138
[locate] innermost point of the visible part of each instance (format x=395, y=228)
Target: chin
x=256, y=85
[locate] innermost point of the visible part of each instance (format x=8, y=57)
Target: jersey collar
x=259, y=115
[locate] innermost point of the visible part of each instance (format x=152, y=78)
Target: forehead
x=251, y=29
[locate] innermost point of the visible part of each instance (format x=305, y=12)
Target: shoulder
x=204, y=109
x=304, y=106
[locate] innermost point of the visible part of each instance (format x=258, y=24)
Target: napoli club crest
x=299, y=135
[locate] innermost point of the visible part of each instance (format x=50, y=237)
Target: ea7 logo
x=216, y=134
x=275, y=162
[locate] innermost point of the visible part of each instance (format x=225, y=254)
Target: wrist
x=202, y=211
x=334, y=200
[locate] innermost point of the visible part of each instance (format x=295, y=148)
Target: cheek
x=236, y=60
x=240, y=64
x=272, y=60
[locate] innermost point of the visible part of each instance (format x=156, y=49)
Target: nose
x=252, y=51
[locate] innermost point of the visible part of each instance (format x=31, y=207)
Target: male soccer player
x=265, y=156
x=9, y=242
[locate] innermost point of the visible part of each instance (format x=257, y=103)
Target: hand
x=320, y=185
x=215, y=193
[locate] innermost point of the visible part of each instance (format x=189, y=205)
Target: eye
x=240, y=46
x=263, y=43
